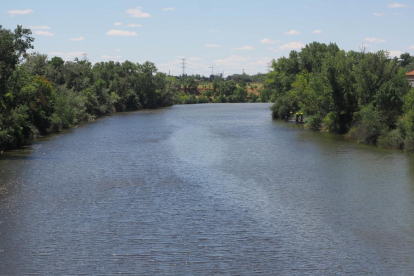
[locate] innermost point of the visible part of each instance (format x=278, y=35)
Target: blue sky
x=228, y=35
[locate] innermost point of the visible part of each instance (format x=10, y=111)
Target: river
x=204, y=189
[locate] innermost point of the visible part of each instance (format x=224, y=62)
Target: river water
x=204, y=189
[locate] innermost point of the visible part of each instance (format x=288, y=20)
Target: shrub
x=391, y=139
x=331, y=122
x=368, y=125
x=202, y=99
x=315, y=122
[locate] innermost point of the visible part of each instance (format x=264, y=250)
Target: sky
x=230, y=36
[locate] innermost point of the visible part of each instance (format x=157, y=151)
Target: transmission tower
x=269, y=64
x=212, y=67
x=85, y=56
x=183, y=65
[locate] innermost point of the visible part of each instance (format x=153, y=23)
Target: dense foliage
x=365, y=95
x=38, y=95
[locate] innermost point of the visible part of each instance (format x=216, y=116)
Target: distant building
x=410, y=77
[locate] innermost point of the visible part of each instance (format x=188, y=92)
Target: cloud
x=268, y=41
x=20, y=12
x=378, y=14
x=105, y=56
x=194, y=59
x=292, y=32
x=121, y=33
x=214, y=31
x=398, y=14
x=136, y=12
x=231, y=61
x=212, y=46
x=412, y=47
x=317, y=32
x=395, y=53
x=67, y=56
x=43, y=27
x=45, y=33
x=397, y=5
x=133, y=25
x=118, y=56
x=118, y=50
x=77, y=39
x=244, y=48
x=168, y=9
x=291, y=46
x=374, y=40
x=118, y=24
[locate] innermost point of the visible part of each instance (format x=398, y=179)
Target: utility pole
x=85, y=56
x=183, y=66
x=212, y=69
x=243, y=71
x=269, y=64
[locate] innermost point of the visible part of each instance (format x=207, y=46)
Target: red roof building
x=410, y=77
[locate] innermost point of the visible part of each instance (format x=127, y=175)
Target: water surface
x=204, y=189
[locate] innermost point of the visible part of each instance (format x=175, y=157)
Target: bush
x=391, y=139
x=202, y=99
x=283, y=106
x=368, y=125
x=315, y=122
x=331, y=122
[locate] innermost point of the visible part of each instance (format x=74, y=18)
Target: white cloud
x=136, y=12
x=118, y=50
x=374, y=40
x=317, y=32
x=395, y=53
x=268, y=41
x=398, y=14
x=121, y=33
x=118, y=24
x=292, y=32
x=412, y=47
x=106, y=56
x=20, y=12
x=212, y=46
x=232, y=61
x=118, y=56
x=168, y=9
x=194, y=59
x=45, y=33
x=77, y=39
x=133, y=25
x=379, y=14
x=44, y=27
x=397, y=5
x=67, y=56
x=292, y=46
x=56, y=54
x=214, y=31
x=244, y=48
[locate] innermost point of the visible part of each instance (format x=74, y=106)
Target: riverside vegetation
x=363, y=95
x=38, y=95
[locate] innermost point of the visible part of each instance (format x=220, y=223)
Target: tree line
x=361, y=94
x=38, y=95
